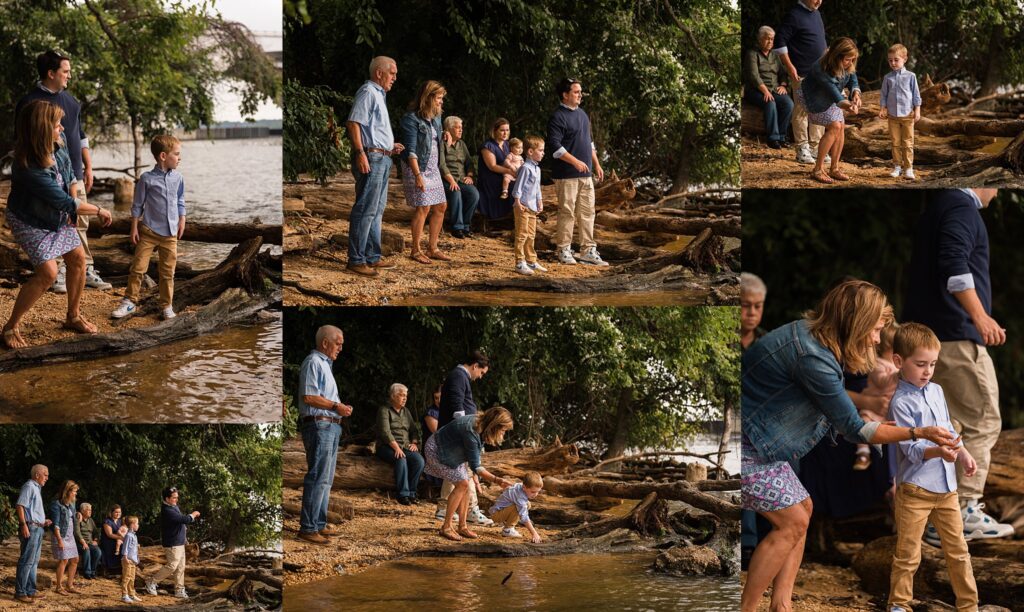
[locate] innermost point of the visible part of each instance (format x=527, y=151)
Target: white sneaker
x=439, y=515
x=510, y=532
x=125, y=308
x=565, y=256
x=978, y=525
x=127, y=599
x=803, y=155
x=92, y=279
x=536, y=267
x=592, y=257
x=522, y=268
x=931, y=535
x=910, y=174
x=478, y=518
x=896, y=172
x=60, y=284
x=151, y=588
x=181, y=594
x=828, y=160
x=168, y=313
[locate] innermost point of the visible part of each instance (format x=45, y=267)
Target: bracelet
x=913, y=435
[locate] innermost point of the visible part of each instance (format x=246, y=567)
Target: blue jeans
x=90, y=560
x=320, y=438
x=461, y=205
x=407, y=470
x=367, y=212
x=776, y=113
x=28, y=561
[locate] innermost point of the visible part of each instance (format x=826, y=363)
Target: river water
x=568, y=582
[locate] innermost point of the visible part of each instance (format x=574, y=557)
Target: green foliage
x=230, y=473
x=867, y=234
x=314, y=142
x=8, y=514
x=653, y=71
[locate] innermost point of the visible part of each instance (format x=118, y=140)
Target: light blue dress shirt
x=370, y=111
x=160, y=200
x=130, y=547
x=527, y=187
x=31, y=499
x=316, y=378
x=517, y=496
x=913, y=406
x=900, y=93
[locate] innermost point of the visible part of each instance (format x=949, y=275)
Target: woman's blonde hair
x=69, y=487
x=492, y=424
x=832, y=61
x=423, y=103
x=844, y=320
x=34, y=132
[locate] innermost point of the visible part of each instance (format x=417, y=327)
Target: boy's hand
x=884, y=114
x=181, y=227
x=917, y=113
x=948, y=454
x=536, y=538
x=518, y=204
x=135, y=235
x=970, y=465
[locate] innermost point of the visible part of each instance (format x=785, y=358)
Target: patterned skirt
x=825, y=117
x=434, y=186
x=42, y=245
x=64, y=548
x=434, y=467
x=768, y=485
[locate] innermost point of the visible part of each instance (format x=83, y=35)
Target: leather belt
x=307, y=419
x=387, y=152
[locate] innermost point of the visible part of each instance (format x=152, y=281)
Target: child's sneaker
x=127, y=599
x=978, y=525
x=536, y=267
x=592, y=257
x=910, y=174
x=168, y=313
x=896, y=172
x=479, y=518
x=181, y=594
x=510, y=532
x=60, y=283
x=125, y=308
x=565, y=256
x=151, y=587
x=522, y=268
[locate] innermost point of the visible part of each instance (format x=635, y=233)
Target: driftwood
x=880, y=147
x=670, y=278
x=655, y=223
x=230, y=572
x=680, y=491
x=221, y=233
x=1006, y=465
x=619, y=540
x=1011, y=158
x=969, y=127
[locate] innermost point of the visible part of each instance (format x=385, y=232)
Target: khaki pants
x=804, y=132
x=82, y=226
x=968, y=379
x=914, y=508
x=167, y=251
x=175, y=565
x=526, y=233
x=507, y=516
x=902, y=132
x=127, y=578
x=575, y=207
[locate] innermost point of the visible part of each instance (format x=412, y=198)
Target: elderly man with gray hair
x=320, y=414
x=398, y=437
x=31, y=523
x=764, y=85
x=457, y=169
x=373, y=144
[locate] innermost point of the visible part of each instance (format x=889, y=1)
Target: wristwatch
x=913, y=435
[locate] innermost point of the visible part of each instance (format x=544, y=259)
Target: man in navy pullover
x=172, y=535
x=572, y=145
x=54, y=72
x=950, y=291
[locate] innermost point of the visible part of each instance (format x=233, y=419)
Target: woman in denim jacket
x=455, y=447
x=792, y=393
x=421, y=172
x=822, y=94
x=42, y=212
x=62, y=513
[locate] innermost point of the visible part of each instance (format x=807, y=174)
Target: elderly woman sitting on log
x=765, y=87
x=398, y=437
x=42, y=211
x=458, y=444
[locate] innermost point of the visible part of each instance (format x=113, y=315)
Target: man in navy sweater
x=54, y=72
x=799, y=43
x=173, y=536
x=950, y=291
x=572, y=145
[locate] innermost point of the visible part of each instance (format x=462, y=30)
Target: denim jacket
x=458, y=443
x=416, y=137
x=38, y=199
x=792, y=390
x=62, y=516
x=822, y=90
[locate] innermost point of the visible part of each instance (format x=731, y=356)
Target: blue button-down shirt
x=913, y=406
x=316, y=378
x=370, y=111
x=527, y=188
x=900, y=94
x=130, y=547
x=514, y=495
x=160, y=200
x=31, y=499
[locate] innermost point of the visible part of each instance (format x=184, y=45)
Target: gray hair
x=37, y=469
x=450, y=121
x=764, y=32
x=752, y=284
x=396, y=388
x=82, y=507
x=325, y=332
x=381, y=62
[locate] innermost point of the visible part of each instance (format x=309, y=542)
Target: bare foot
x=12, y=339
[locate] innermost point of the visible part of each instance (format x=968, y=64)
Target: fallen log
x=234, y=305
x=229, y=573
x=295, y=509
x=673, y=277
x=220, y=233
x=860, y=146
x=652, y=223
x=391, y=242
x=680, y=491
x=1006, y=465
x=1011, y=158
x=619, y=540
x=648, y=518
x=969, y=127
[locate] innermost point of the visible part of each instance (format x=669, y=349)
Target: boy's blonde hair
x=844, y=320
x=131, y=519
x=513, y=143
x=888, y=333
x=533, y=480
x=912, y=336
x=533, y=143
x=899, y=50
x=163, y=143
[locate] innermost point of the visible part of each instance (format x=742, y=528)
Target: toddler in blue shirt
x=901, y=105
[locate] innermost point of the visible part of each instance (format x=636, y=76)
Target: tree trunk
x=219, y=233
x=680, y=491
x=648, y=518
x=137, y=145
x=231, y=542
x=995, y=57
x=617, y=444
x=723, y=443
x=681, y=181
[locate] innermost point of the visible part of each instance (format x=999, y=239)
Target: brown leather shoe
x=329, y=530
x=382, y=265
x=313, y=537
x=361, y=270
x=23, y=598
x=37, y=595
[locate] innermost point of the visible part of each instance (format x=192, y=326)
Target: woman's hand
x=105, y=216
x=453, y=185
x=399, y=454
x=781, y=89
x=766, y=94
x=938, y=435
x=421, y=184
x=467, y=180
x=414, y=448
x=447, y=137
